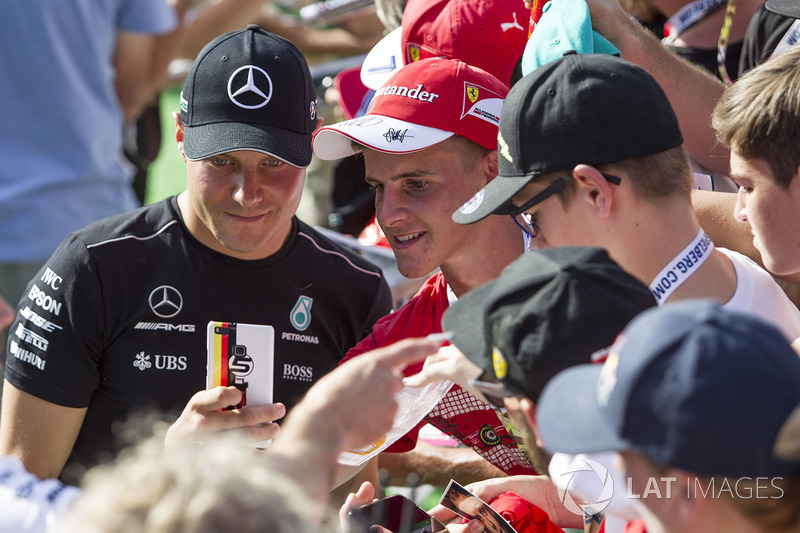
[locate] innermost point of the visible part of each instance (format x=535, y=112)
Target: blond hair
x=220, y=486
x=759, y=115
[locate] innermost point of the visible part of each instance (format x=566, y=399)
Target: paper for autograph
x=414, y=404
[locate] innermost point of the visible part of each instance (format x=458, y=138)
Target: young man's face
x=771, y=211
x=242, y=203
x=415, y=197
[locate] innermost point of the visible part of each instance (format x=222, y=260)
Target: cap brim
x=789, y=8
x=202, y=142
x=384, y=134
x=385, y=58
x=569, y=417
x=494, y=199
x=465, y=319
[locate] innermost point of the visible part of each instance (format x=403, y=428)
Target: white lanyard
x=681, y=267
x=791, y=37
x=687, y=16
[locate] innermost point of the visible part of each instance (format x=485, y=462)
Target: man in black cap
x=116, y=320
x=590, y=154
x=547, y=311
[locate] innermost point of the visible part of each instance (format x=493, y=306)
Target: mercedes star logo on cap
x=249, y=95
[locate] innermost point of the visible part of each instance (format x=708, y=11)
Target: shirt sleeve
x=55, y=345
x=147, y=16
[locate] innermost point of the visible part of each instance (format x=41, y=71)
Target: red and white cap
x=423, y=104
x=489, y=34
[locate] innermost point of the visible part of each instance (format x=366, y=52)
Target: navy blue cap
x=249, y=90
x=688, y=385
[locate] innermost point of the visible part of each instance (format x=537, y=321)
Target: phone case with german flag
x=241, y=355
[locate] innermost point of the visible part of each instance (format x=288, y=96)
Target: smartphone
x=397, y=514
x=241, y=355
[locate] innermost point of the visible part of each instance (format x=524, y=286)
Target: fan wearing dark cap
x=547, y=311
x=707, y=441
x=590, y=154
x=116, y=319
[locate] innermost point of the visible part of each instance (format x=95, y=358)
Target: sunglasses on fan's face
x=526, y=222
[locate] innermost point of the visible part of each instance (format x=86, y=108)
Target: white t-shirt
x=28, y=503
x=758, y=294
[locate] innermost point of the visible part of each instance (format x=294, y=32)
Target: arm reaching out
x=350, y=407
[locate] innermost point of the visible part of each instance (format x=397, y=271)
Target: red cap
x=423, y=104
x=489, y=34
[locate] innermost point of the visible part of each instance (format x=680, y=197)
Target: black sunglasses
x=553, y=188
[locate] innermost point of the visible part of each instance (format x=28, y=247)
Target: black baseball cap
x=249, y=90
x=689, y=385
x=788, y=8
x=548, y=310
x=581, y=108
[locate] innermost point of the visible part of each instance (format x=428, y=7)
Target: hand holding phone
x=396, y=514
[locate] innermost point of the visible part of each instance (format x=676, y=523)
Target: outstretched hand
x=355, y=404
x=447, y=363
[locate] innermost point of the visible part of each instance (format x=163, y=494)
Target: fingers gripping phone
x=397, y=514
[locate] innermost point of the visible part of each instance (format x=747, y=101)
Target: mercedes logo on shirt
x=166, y=301
x=250, y=87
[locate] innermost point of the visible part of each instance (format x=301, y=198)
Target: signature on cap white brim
x=384, y=134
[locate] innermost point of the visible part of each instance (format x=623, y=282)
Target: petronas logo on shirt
x=300, y=316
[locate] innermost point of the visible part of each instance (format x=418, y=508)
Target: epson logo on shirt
x=298, y=373
x=44, y=300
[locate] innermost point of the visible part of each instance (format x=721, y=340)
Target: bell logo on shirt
x=300, y=316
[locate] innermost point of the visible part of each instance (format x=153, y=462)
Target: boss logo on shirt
x=298, y=372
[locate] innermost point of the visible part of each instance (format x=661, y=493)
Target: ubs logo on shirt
x=143, y=362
